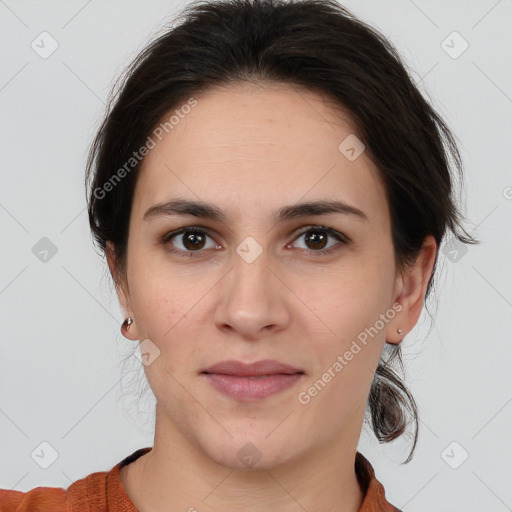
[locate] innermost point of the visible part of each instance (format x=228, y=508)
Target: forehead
x=253, y=146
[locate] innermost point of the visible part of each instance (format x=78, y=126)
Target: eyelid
x=331, y=231
x=179, y=231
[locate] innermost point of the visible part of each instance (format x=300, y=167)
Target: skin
x=251, y=149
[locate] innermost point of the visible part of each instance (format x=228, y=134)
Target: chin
x=248, y=453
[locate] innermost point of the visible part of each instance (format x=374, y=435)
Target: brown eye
x=187, y=240
x=192, y=240
x=316, y=239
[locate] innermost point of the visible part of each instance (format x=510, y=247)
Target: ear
x=122, y=290
x=410, y=289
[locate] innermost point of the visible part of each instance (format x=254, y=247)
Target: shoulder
x=88, y=494
x=41, y=499
x=96, y=492
x=374, y=493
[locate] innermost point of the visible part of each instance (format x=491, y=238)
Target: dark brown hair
x=318, y=45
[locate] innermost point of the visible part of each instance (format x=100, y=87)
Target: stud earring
x=126, y=326
x=399, y=331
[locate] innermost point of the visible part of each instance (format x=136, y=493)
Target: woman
x=270, y=190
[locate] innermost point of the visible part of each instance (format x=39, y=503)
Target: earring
x=126, y=326
x=399, y=331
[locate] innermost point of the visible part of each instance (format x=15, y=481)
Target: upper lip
x=258, y=368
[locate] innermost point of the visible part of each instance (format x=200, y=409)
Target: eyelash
x=340, y=237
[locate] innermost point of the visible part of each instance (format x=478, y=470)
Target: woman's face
x=261, y=283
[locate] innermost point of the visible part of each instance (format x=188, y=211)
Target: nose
x=254, y=299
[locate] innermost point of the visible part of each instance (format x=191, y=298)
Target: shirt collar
x=374, y=494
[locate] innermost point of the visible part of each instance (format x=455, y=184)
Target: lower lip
x=244, y=388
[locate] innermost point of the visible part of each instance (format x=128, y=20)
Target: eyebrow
x=204, y=210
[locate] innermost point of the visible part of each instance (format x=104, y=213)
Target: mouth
x=262, y=368
x=252, y=382
x=252, y=376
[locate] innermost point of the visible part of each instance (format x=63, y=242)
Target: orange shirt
x=103, y=491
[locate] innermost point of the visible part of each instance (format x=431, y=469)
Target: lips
x=254, y=381
x=265, y=367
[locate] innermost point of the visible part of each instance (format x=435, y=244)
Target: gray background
x=67, y=376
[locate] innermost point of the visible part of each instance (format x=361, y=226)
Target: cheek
x=351, y=308
x=155, y=295
x=345, y=365
x=349, y=300
x=166, y=307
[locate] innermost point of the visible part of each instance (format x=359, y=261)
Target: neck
x=175, y=475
